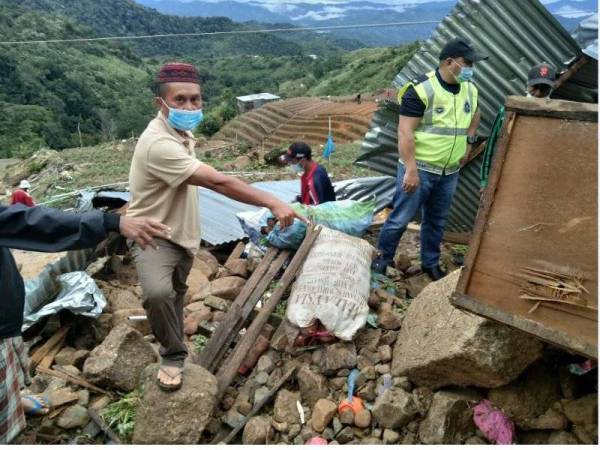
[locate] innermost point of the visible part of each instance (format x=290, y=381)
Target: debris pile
x=419, y=371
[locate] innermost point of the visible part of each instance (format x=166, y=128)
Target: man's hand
x=465, y=158
x=142, y=230
x=284, y=214
x=411, y=180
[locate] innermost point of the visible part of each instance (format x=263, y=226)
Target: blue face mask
x=181, y=119
x=466, y=73
x=297, y=168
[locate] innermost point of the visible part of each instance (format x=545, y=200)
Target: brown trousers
x=163, y=274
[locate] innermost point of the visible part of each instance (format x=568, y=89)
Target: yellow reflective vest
x=441, y=137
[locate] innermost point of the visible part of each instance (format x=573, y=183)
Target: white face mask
x=296, y=168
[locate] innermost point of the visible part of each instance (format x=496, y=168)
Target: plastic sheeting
x=79, y=294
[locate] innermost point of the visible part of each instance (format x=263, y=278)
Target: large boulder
x=206, y=263
x=338, y=356
x=118, y=362
x=285, y=409
x=122, y=316
x=177, y=417
x=313, y=386
x=121, y=298
x=198, y=286
x=450, y=418
x=440, y=345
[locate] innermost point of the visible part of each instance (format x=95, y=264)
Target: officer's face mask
x=466, y=73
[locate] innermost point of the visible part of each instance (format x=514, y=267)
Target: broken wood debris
x=59, y=372
x=46, y=348
x=230, y=368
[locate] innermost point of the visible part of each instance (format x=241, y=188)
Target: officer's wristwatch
x=472, y=139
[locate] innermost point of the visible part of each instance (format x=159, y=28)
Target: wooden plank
x=570, y=72
x=228, y=371
x=246, y=309
x=103, y=425
x=62, y=396
x=486, y=202
x=559, y=109
x=236, y=253
x=49, y=358
x=43, y=351
x=267, y=398
x=210, y=352
x=457, y=238
x=55, y=372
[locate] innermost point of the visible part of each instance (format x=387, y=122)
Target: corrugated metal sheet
x=516, y=34
x=586, y=36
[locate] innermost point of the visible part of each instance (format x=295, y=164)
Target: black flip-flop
x=170, y=387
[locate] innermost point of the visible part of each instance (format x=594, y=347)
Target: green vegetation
x=120, y=415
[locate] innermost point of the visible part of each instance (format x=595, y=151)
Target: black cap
x=542, y=73
x=461, y=47
x=298, y=150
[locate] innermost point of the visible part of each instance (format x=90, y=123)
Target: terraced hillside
x=280, y=123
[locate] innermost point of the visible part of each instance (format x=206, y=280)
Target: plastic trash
x=388, y=383
x=493, y=423
x=582, y=368
x=352, y=402
x=316, y=440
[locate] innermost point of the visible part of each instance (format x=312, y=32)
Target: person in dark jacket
x=315, y=185
x=44, y=230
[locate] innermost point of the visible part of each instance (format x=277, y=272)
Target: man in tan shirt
x=163, y=181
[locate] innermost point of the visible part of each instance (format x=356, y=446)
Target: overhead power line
x=217, y=33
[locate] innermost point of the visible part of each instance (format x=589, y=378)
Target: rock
x=199, y=287
x=294, y=430
x=217, y=303
x=75, y=416
x=367, y=338
x=338, y=356
x=175, y=417
x=382, y=369
x=371, y=441
x=227, y=287
x=475, y=440
x=347, y=417
x=100, y=402
x=123, y=299
x=84, y=397
x=423, y=399
x=265, y=363
x=122, y=316
x=261, y=378
x=242, y=162
x=583, y=411
x=394, y=408
x=337, y=384
x=72, y=370
x=233, y=418
x=403, y=383
x=409, y=438
x=550, y=420
x=337, y=425
x=529, y=396
x=219, y=316
x=68, y=356
x=322, y=413
x=390, y=319
x=385, y=352
x=207, y=263
x=119, y=360
x=328, y=435
x=244, y=407
x=256, y=431
x=281, y=427
x=362, y=419
x=586, y=435
x=345, y=436
x=388, y=338
x=190, y=325
x=285, y=409
x=367, y=392
x=416, y=284
x=238, y=267
x=390, y=436
x=535, y=437
x=450, y=418
x=54, y=384
x=440, y=345
x=568, y=383
x=562, y=438
x=260, y=393
x=313, y=386
x=402, y=262
x=101, y=327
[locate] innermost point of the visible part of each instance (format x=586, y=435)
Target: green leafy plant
x=120, y=415
x=200, y=342
x=460, y=249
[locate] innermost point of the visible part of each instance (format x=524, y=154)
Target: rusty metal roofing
x=516, y=34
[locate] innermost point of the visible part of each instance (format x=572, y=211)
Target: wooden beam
x=570, y=72
x=72, y=379
x=559, y=109
x=103, y=425
x=43, y=351
x=236, y=253
x=228, y=371
x=47, y=361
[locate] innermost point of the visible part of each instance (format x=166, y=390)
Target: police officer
x=438, y=120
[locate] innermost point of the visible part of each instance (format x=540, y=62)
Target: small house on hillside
x=246, y=103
